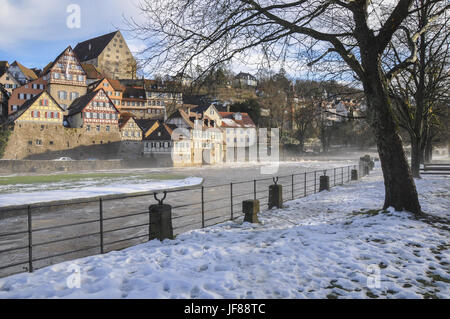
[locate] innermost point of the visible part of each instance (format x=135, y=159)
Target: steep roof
x=134, y=93
x=244, y=75
x=145, y=124
x=92, y=48
x=161, y=133
x=124, y=120
x=80, y=103
x=183, y=115
x=4, y=65
x=92, y=71
x=29, y=74
x=116, y=85
x=228, y=120
x=51, y=64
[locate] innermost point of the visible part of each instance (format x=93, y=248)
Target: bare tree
x=419, y=89
x=304, y=119
x=356, y=32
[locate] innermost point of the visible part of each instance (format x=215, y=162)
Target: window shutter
x=38, y=114
x=45, y=115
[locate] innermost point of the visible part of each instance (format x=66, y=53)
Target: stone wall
x=28, y=140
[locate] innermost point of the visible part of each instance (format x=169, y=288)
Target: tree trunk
x=428, y=151
x=416, y=151
x=400, y=189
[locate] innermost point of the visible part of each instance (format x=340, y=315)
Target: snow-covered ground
x=332, y=244
x=84, y=190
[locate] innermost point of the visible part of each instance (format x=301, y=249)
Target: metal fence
x=39, y=235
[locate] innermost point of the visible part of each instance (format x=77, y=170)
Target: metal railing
x=44, y=234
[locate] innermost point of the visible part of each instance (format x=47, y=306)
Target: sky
x=35, y=32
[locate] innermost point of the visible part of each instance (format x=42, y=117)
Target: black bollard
x=160, y=222
x=250, y=208
x=354, y=175
x=275, y=196
x=324, y=183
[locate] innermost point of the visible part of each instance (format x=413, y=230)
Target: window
x=74, y=95
x=30, y=142
x=108, y=129
x=39, y=142
x=117, y=93
x=105, y=84
x=98, y=128
x=62, y=95
x=88, y=128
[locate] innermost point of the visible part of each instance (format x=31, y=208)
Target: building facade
x=66, y=78
x=25, y=92
x=9, y=82
x=21, y=73
x=110, y=54
x=112, y=87
x=129, y=129
x=94, y=112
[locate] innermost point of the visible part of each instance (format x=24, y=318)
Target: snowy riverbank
x=332, y=244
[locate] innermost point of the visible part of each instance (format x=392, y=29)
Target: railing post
x=334, y=179
x=315, y=181
x=30, y=240
x=254, y=189
x=203, y=207
x=342, y=175
x=231, y=199
x=292, y=186
x=101, y=227
x=305, y=183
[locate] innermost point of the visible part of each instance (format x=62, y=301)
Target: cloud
x=26, y=20
x=46, y=20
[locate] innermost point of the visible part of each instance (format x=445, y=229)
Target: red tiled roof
x=229, y=121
